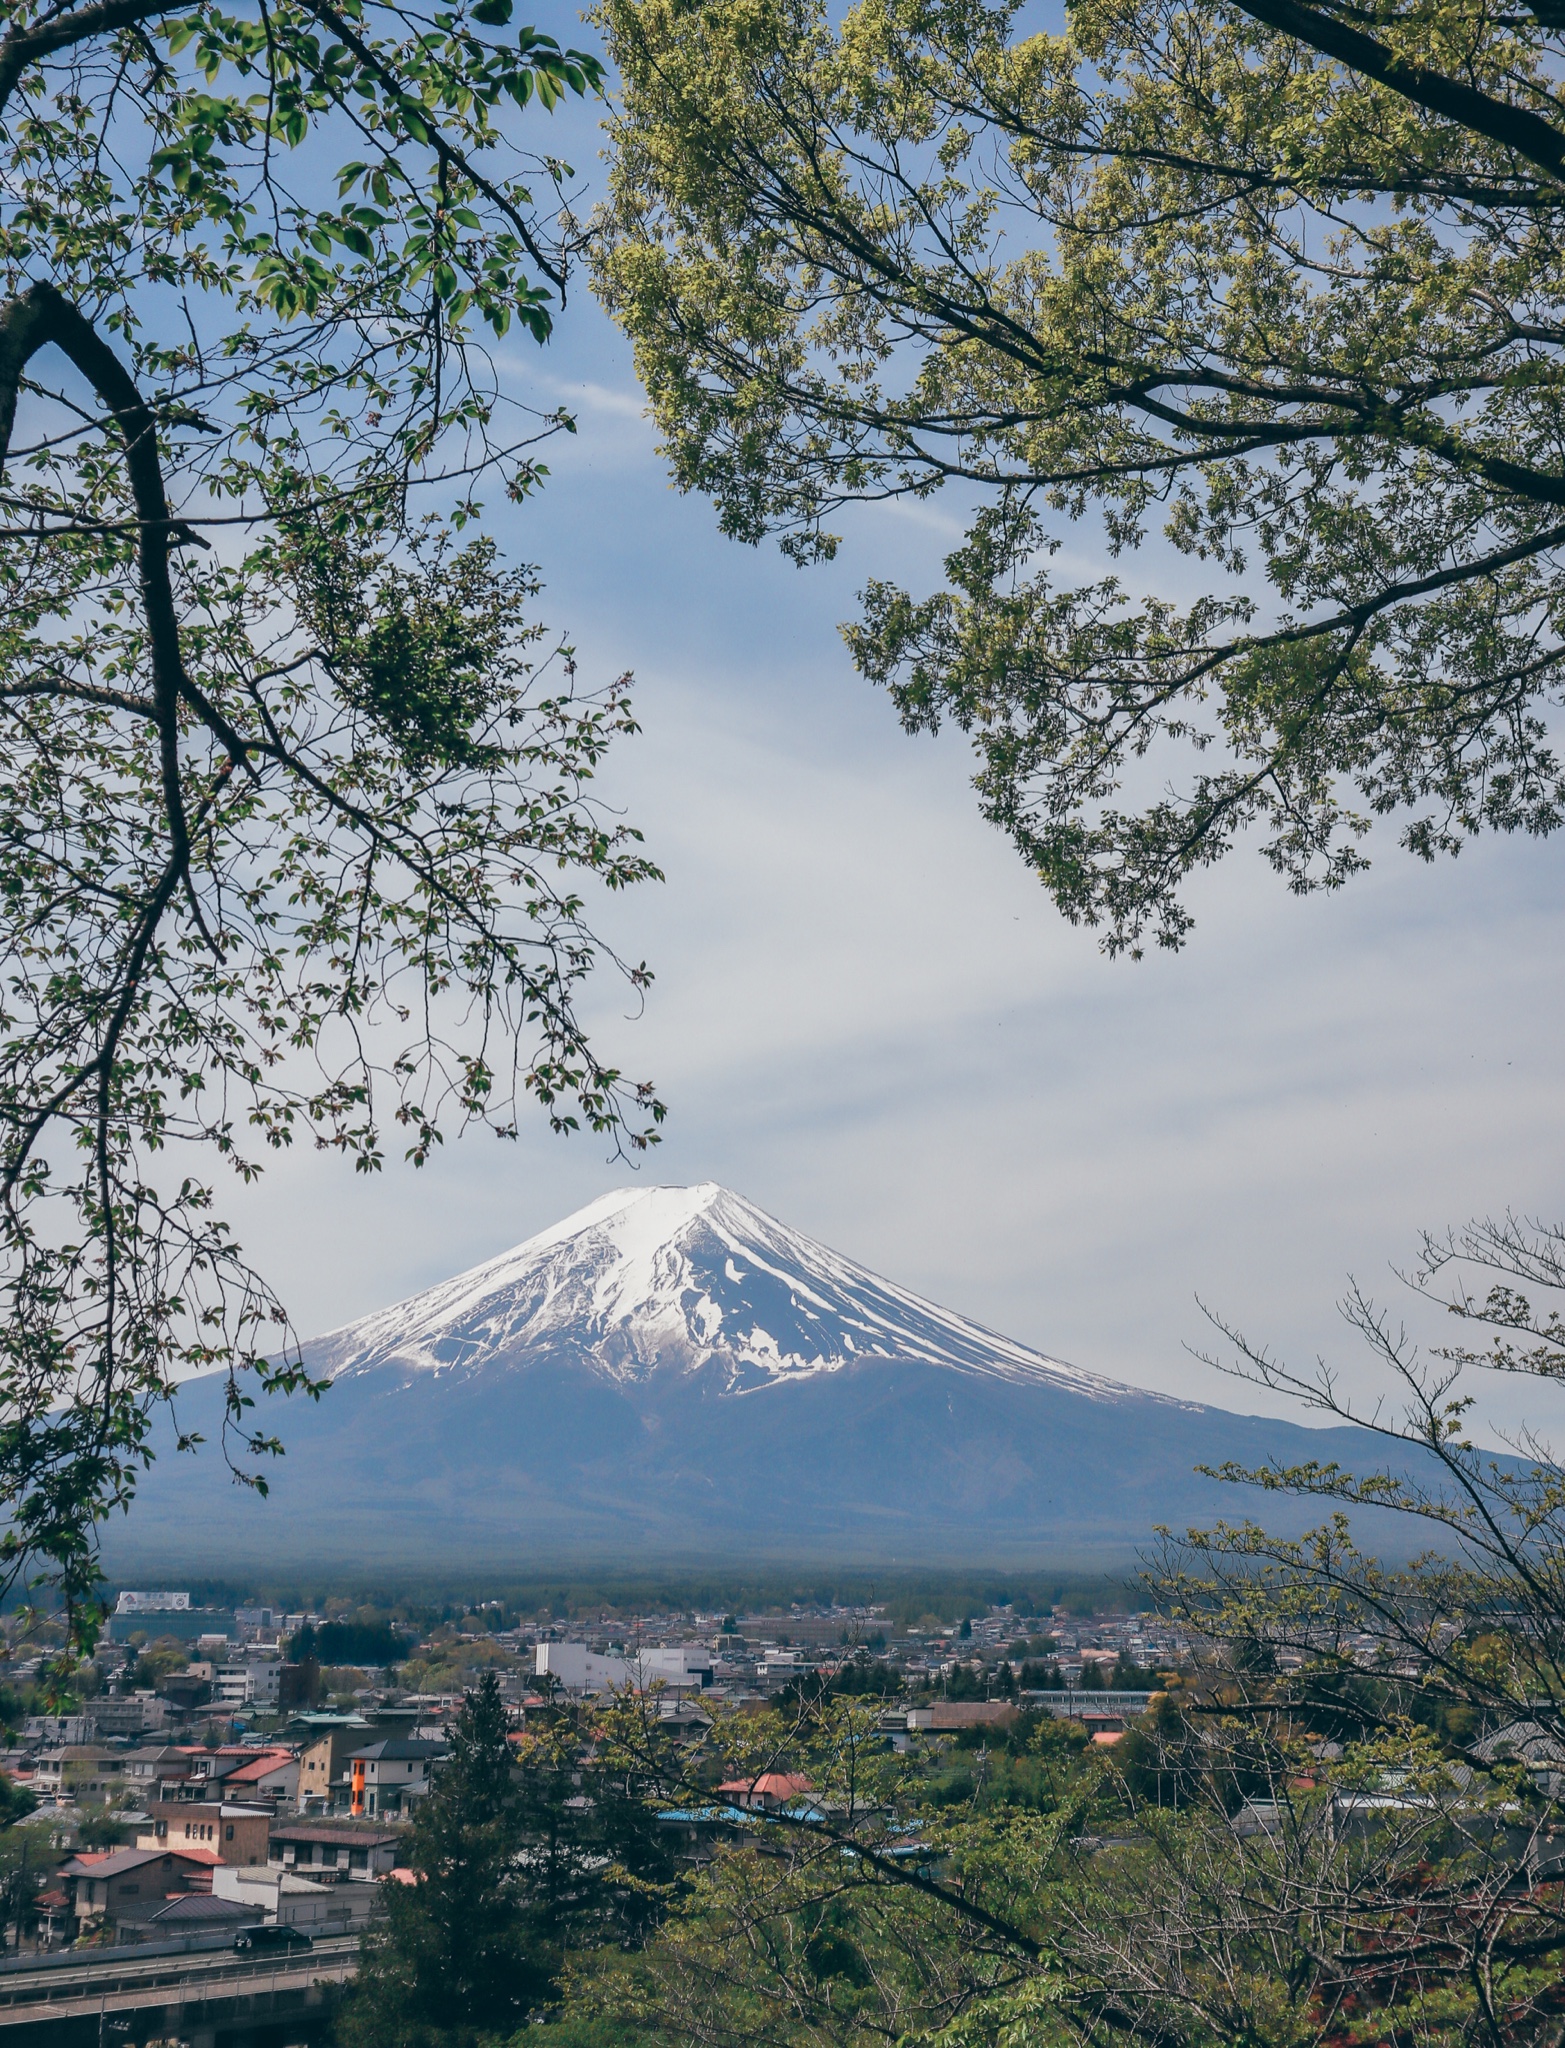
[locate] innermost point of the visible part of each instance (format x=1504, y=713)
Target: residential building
x=186, y=1913
x=236, y=1772
x=777, y=1667
x=235, y=1834
x=334, y=1851
x=137, y=1715
x=74, y=1729
x=253, y=1683
x=323, y=1763
x=54, y=1918
x=187, y=1690
x=272, y=1776
x=79, y=1771
x=293, y=1901
x=156, y=1773
x=108, y=1884
x=389, y=1777
x=767, y=1792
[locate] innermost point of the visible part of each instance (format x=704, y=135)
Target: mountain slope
x=652, y=1279
x=672, y=1373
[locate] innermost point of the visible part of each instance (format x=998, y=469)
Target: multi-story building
x=335, y=1851
x=323, y=1763
x=575, y=1668
x=73, y=1729
x=390, y=1777
x=233, y=1834
x=293, y=1901
x=156, y=1773
x=253, y=1683
x=137, y=1715
x=273, y=1775
x=125, y=1881
x=79, y=1771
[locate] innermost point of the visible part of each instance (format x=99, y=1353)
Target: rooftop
x=116, y=1862
x=357, y=1833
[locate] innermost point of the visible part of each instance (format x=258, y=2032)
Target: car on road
x=269, y=1935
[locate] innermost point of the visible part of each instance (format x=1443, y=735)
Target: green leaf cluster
x=1276, y=289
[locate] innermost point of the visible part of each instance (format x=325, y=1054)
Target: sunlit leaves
x=1163, y=270
x=310, y=866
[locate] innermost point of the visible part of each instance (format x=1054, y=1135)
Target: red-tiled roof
x=262, y=1767
x=770, y=1785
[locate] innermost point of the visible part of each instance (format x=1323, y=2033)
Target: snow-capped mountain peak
x=652, y=1279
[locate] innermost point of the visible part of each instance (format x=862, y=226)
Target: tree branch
x=1514, y=128
x=21, y=47
x=29, y=322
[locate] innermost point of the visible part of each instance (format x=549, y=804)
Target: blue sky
x=871, y=1022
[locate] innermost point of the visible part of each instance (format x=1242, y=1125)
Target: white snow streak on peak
x=681, y=1277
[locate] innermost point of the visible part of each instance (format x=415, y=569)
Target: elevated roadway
x=209, y=1998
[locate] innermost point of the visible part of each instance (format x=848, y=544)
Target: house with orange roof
x=768, y=1792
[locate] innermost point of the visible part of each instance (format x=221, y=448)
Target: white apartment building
x=254, y=1683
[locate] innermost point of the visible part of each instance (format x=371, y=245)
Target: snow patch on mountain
x=648, y=1280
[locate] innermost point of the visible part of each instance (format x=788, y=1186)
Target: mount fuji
x=672, y=1374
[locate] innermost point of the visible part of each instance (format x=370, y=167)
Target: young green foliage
x=1283, y=281
x=295, y=804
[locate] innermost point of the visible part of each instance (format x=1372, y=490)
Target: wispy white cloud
x=625, y=405
x=869, y=1019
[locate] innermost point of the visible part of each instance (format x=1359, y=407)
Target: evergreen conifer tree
x=455, y=1957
